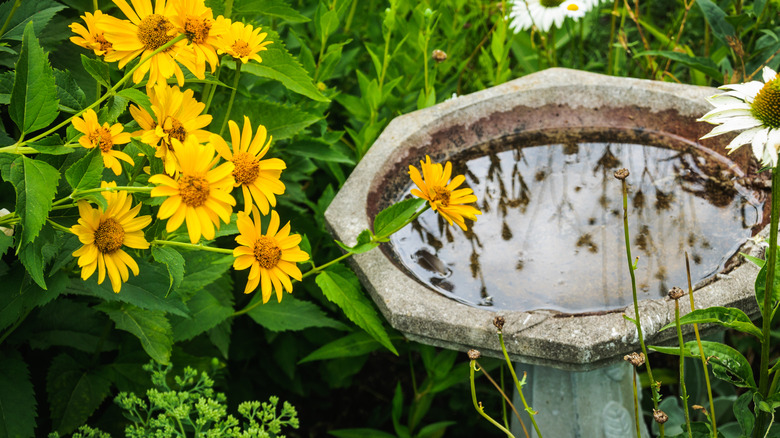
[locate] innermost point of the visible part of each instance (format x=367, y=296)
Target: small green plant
x=191, y=407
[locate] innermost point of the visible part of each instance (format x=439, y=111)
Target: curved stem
x=57, y=226
x=519, y=386
x=191, y=246
x=478, y=406
x=683, y=390
x=131, y=189
x=232, y=97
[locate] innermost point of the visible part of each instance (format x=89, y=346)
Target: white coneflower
x=545, y=13
x=754, y=107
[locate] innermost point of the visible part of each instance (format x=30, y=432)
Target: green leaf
x=716, y=18
x=208, y=308
x=761, y=286
x=5, y=243
x=138, y=97
x=292, y=314
x=151, y=327
x=87, y=172
x=203, y=268
x=704, y=65
x=97, y=69
x=354, y=344
x=393, y=217
x=281, y=121
x=36, y=255
x=20, y=295
x=744, y=415
x=34, y=103
x=269, y=8
x=52, y=145
x=319, y=150
x=755, y=260
x=17, y=397
x=727, y=363
x=356, y=306
x=435, y=429
x=729, y=317
x=75, y=392
x=6, y=86
x=36, y=184
x=327, y=23
x=72, y=97
x=174, y=263
x=278, y=64
x=39, y=12
x=68, y=323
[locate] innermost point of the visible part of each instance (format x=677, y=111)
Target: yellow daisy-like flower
x=258, y=178
x=195, y=20
x=241, y=41
x=199, y=194
x=91, y=37
x=435, y=186
x=272, y=256
x=105, y=233
x=177, y=116
x=104, y=137
x=148, y=30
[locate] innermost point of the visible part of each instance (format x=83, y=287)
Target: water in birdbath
x=551, y=234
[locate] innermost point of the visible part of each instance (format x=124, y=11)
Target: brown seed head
x=499, y=322
x=660, y=416
x=474, y=354
x=621, y=174
x=439, y=55
x=636, y=359
x=676, y=293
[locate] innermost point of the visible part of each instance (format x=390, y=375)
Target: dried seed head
x=660, y=416
x=439, y=55
x=474, y=354
x=636, y=359
x=621, y=174
x=676, y=293
x=499, y=321
x=702, y=409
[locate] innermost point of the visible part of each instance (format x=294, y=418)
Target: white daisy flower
x=545, y=13
x=753, y=107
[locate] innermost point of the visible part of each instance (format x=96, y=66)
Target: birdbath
x=547, y=253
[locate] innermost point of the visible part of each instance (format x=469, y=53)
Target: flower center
x=551, y=3
x=109, y=236
x=101, y=138
x=194, y=190
x=573, y=7
x=766, y=104
x=102, y=42
x=197, y=30
x=441, y=194
x=176, y=130
x=246, y=169
x=267, y=252
x=153, y=31
x=241, y=48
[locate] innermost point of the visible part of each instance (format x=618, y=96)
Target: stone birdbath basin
x=542, y=146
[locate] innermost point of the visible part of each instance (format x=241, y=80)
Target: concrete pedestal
x=570, y=404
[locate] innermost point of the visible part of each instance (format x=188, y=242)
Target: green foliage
x=17, y=400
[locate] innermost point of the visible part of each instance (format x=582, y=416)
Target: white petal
x=768, y=74
x=759, y=143
x=743, y=138
x=749, y=90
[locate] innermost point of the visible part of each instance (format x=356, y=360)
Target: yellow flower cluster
x=200, y=169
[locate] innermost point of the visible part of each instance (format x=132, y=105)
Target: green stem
x=16, y=5
x=478, y=406
x=110, y=92
x=636, y=406
x=519, y=387
x=232, y=97
x=350, y=16
x=191, y=246
x=683, y=390
x=212, y=90
x=57, y=226
x=131, y=189
x=18, y=150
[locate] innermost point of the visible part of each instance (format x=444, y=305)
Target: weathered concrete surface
x=541, y=105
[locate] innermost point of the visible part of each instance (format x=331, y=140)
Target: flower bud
x=439, y=56
x=621, y=174
x=474, y=354
x=676, y=293
x=499, y=321
x=660, y=416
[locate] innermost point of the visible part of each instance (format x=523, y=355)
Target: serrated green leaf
x=393, y=217
x=203, y=268
x=35, y=183
x=208, y=308
x=319, y=150
x=174, y=263
x=292, y=314
x=17, y=397
x=71, y=96
x=137, y=97
x=87, y=172
x=75, y=392
x=97, y=69
x=269, y=8
x=51, y=145
x=6, y=86
x=37, y=254
x=220, y=336
x=5, y=243
x=726, y=316
x=115, y=106
x=281, y=121
x=39, y=12
x=354, y=344
x=356, y=306
x=716, y=18
x=34, y=103
x=151, y=327
x=278, y=64
x=68, y=323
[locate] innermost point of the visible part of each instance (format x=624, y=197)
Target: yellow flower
x=103, y=235
x=195, y=20
x=272, y=256
x=259, y=179
x=199, y=194
x=148, y=30
x=241, y=41
x=435, y=187
x=91, y=37
x=177, y=116
x=104, y=137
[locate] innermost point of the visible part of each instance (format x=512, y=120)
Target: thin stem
x=16, y=5
x=519, y=386
x=210, y=96
x=232, y=97
x=350, y=16
x=683, y=390
x=131, y=189
x=506, y=398
x=636, y=406
x=57, y=226
x=478, y=406
x=191, y=246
